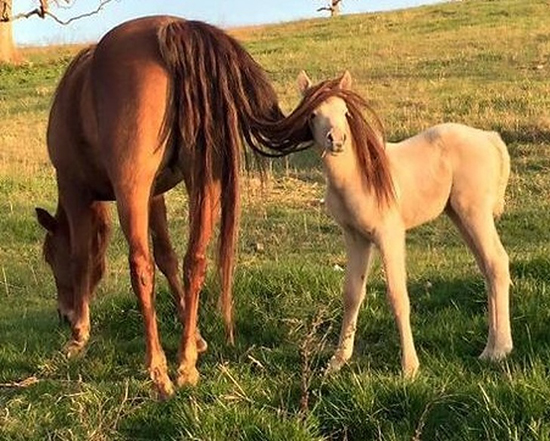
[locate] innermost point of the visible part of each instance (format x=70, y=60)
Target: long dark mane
x=219, y=97
x=368, y=134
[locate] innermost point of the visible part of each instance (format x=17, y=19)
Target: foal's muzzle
x=335, y=144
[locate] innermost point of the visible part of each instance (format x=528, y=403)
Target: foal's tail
x=499, y=144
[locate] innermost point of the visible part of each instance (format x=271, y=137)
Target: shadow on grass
x=26, y=340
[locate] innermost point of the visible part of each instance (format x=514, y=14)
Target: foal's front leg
x=359, y=258
x=392, y=247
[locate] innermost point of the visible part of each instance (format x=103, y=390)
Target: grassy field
x=484, y=63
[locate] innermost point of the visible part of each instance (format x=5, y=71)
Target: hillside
x=480, y=62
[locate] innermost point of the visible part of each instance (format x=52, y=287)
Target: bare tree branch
x=78, y=17
x=333, y=8
x=43, y=12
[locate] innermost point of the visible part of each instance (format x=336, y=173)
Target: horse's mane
x=367, y=135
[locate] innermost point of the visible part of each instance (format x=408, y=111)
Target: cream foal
x=450, y=167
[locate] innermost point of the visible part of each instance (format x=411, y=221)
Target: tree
x=7, y=47
x=333, y=7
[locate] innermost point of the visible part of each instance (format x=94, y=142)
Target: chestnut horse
x=157, y=101
x=377, y=191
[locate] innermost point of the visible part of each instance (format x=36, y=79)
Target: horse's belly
x=167, y=179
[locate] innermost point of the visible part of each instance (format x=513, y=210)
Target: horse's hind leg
x=479, y=231
x=202, y=220
x=166, y=259
x=100, y=238
x=359, y=258
x=133, y=210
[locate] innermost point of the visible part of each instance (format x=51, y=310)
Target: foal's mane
x=367, y=135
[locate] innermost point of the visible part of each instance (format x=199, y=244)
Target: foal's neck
x=342, y=170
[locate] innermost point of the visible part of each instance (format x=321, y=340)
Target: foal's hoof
x=495, y=354
x=411, y=372
x=334, y=365
x=410, y=369
x=187, y=377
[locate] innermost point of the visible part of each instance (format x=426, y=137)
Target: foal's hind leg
x=479, y=231
x=166, y=259
x=202, y=221
x=359, y=259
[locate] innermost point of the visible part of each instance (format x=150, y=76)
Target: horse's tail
x=219, y=96
x=504, y=157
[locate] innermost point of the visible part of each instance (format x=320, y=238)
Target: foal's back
x=448, y=164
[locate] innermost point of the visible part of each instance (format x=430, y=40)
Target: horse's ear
x=304, y=83
x=345, y=81
x=46, y=219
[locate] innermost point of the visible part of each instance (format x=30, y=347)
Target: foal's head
x=338, y=125
x=328, y=121
x=57, y=253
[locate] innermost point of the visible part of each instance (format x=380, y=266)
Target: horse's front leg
x=79, y=215
x=391, y=243
x=359, y=258
x=202, y=213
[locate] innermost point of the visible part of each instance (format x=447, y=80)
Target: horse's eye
x=312, y=116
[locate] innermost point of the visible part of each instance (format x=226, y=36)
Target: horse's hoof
x=74, y=348
x=187, y=377
x=202, y=345
x=162, y=383
x=165, y=389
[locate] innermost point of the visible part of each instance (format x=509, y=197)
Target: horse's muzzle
x=63, y=318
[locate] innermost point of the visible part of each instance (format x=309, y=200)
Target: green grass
x=483, y=63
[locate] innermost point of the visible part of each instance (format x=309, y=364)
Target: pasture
x=483, y=63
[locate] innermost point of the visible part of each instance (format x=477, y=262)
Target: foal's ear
x=46, y=219
x=345, y=81
x=304, y=83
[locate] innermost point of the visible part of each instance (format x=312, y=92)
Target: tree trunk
x=7, y=47
x=335, y=8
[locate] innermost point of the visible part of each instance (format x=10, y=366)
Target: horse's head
x=328, y=122
x=57, y=253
